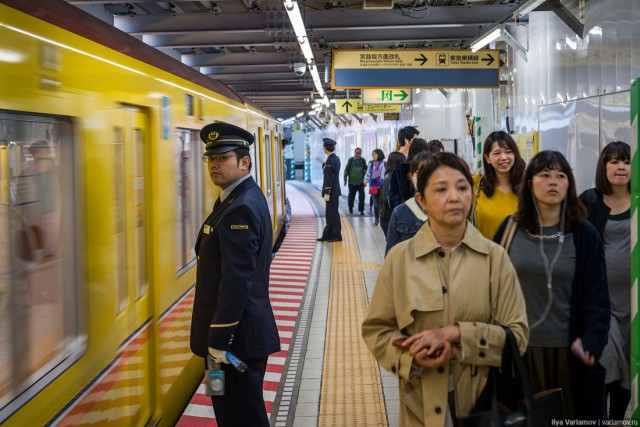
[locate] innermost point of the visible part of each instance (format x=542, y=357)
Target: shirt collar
x=225, y=193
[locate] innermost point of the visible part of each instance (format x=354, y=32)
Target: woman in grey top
x=559, y=258
x=609, y=206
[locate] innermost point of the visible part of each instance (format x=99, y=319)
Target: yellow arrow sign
x=416, y=59
x=355, y=106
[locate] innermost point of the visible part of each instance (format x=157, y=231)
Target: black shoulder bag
x=535, y=410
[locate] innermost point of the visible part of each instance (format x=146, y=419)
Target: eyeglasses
x=216, y=159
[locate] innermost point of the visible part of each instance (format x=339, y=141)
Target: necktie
x=217, y=203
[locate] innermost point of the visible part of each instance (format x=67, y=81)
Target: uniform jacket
x=331, y=171
x=481, y=293
x=231, y=310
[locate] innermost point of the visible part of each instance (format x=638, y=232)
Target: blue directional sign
x=354, y=69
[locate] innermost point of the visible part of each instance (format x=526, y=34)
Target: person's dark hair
x=437, y=144
x=395, y=158
x=442, y=159
x=240, y=153
x=617, y=150
x=417, y=146
x=330, y=148
x=527, y=216
x=489, y=178
x=406, y=132
x=419, y=160
x=358, y=148
x=380, y=154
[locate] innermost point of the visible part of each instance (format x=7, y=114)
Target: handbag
x=373, y=189
x=535, y=410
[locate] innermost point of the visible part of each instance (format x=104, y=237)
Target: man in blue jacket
x=231, y=311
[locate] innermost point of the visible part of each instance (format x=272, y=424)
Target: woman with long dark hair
x=496, y=190
x=559, y=258
x=609, y=206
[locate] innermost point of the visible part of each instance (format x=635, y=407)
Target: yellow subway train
x=102, y=192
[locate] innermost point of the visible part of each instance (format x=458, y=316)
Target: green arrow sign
x=386, y=96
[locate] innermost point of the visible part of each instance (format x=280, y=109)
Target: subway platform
x=324, y=375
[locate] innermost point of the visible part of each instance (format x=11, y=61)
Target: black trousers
x=243, y=402
x=353, y=189
x=333, y=229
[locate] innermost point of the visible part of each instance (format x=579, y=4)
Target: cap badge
x=213, y=135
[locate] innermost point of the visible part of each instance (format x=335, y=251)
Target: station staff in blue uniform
x=331, y=192
x=231, y=310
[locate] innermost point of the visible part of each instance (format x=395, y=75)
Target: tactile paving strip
x=351, y=386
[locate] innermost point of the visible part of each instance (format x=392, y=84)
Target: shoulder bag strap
x=509, y=232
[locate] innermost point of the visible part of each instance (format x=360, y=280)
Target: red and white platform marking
x=287, y=282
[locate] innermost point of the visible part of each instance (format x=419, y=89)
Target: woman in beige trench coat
x=440, y=298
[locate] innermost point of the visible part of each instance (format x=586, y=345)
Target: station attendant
x=331, y=192
x=231, y=310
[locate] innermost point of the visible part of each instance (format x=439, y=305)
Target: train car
x=102, y=193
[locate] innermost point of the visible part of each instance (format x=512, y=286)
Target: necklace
x=544, y=236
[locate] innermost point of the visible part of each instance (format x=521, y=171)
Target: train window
x=188, y=195
x=268, y=164
x=138, y=173
x=39, y=304
x=188, y=104
x=119, y=206
x=277, y=157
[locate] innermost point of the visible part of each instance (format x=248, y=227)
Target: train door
x=41, y=332
x=134, y=259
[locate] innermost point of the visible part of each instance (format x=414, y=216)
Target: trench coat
x=479, y=292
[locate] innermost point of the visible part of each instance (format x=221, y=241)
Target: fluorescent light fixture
x=297, y=23
x=527, y=7
x=300, y=114
x=485, y=39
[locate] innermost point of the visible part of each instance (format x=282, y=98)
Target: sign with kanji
x=354, y=69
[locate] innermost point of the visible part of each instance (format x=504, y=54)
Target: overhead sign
x=392, y=116
x=386, y=96
x=355, y=106
x=353, y=69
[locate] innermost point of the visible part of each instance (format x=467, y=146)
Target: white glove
x=219, y=356
x=326, y=197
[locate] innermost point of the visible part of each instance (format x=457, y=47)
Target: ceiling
x=250, y=44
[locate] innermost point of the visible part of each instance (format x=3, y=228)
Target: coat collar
x=425, y=242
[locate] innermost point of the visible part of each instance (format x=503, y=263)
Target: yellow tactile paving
x=351, y=387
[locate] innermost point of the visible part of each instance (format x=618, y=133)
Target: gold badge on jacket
x=207, y=229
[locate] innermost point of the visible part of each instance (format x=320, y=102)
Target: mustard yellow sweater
x=491, y=211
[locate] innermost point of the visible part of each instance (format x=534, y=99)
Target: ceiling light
x=305, y=46
x=485, y=39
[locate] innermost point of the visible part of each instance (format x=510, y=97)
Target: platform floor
x=324, y=375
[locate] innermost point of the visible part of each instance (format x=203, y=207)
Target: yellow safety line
x=351, y=387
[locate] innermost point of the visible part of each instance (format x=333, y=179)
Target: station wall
x=565, y=83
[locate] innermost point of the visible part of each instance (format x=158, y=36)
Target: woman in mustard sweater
x=496, y=190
